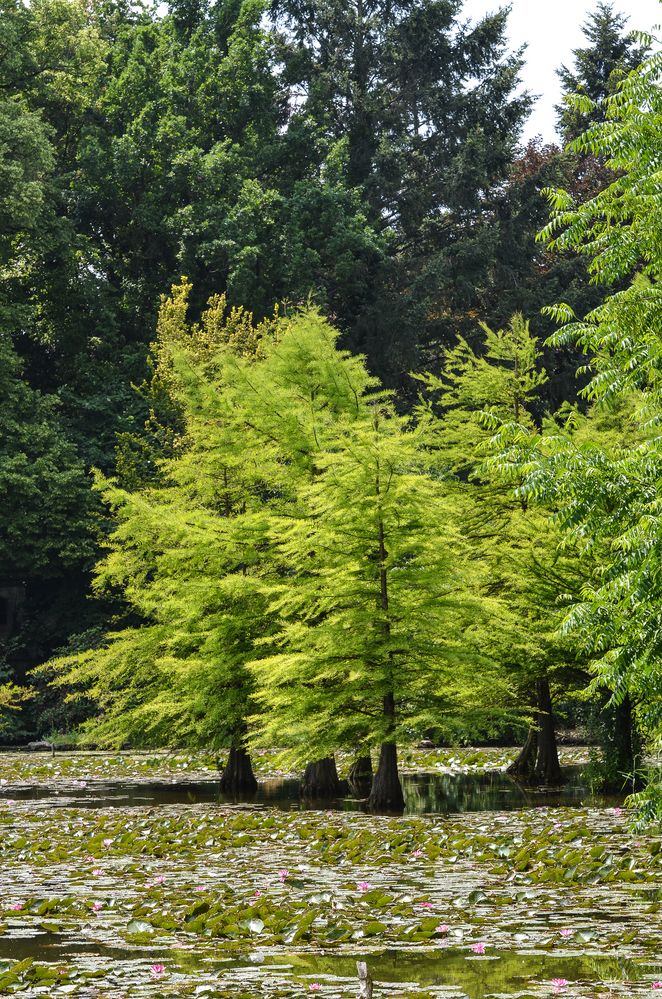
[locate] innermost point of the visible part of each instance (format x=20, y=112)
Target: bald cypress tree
x=521, y=574
x=374, y=614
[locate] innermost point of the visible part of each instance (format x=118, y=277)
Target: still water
x=425, y=794
x=108, y=851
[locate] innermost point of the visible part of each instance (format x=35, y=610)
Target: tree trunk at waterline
x=525, y=764
x=548, y=769
x=320, y=780
x=360, y=776
x=386, y=793
x=238, y=776
x=538, y=760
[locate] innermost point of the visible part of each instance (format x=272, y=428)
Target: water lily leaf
x=140, y=926
x=374, y=927
x=50, y=927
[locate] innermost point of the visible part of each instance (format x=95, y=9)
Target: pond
x=130, y=876
x=425, y=793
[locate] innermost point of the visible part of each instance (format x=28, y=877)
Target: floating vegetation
x=220, y=900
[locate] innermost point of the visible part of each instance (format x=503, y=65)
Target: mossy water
x=109, y=897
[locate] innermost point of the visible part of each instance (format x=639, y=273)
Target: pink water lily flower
x=17, y=906
x=363, y=885
x=314, y=987
x=97, y=906
x=97, y=872
x=478, y=948
x=559, y=983
x=199, y=888
x=283, y=873
x=157, y=970
x=257, y=894
x=565, y=932
x=417, y=853
x=425, y=905
x=617, y=811
x=159, y=879
x=656, y=985
x=442, y=928
x=107, y=843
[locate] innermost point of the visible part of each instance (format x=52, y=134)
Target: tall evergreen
x=420, y=111
x=599, y=68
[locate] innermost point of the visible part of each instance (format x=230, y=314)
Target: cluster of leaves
x=283, y=529
x=602, y=481
x=44, y=979
x=322, y=151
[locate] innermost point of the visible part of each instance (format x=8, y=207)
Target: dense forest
x=329, y=407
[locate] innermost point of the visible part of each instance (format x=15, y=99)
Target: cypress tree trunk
x=320, y=780
x=621, y=748
x=386, y=793
x=525, y=764
x=547, y=770
x=360, y=776
x=538, y=760
x=238, y=776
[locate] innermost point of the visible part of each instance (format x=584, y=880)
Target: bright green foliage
x=371, y=641
x=504, y=380
x=606, y=492
x=296, y=553
x=518, y=576
x=191, y=551
x=11, y=699
x=183, y=554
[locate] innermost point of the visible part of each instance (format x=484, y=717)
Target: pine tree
x=599, y=69
x=419, y=114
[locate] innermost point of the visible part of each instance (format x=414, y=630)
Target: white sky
x=552, y=29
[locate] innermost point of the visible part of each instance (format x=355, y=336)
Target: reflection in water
x=505, y=973
x=501, y=973
x=425, y=793
x=492, y=792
